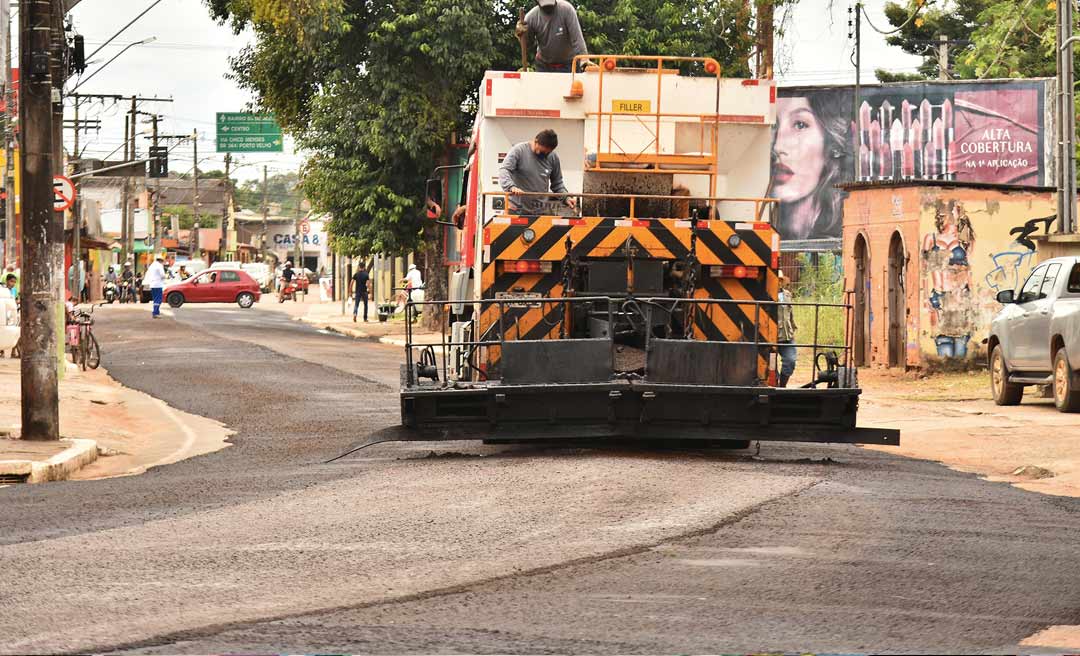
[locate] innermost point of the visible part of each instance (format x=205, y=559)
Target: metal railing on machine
x=437, y=367
x=764, y=208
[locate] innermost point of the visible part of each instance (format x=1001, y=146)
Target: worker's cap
x=780, y=275
x=546, y=3
x=411, y=267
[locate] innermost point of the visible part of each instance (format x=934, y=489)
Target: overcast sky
x=189, y=62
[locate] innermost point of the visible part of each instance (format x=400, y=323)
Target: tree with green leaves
x=987, y=38
x=374, y=91
x=281, y=188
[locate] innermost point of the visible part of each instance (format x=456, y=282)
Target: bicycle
x=85, y=349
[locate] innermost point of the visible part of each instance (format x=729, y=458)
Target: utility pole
x=42, y=235
x=765, y=38
x=266, y=217
x=223, y=243
x=857, y=27
x=129, y=211
x=76, y=231
x=298, y=246
x=195, y=229
x=124, y=193
x=943, y=57
x=10, y=117
x=154, y=213
x=1066, y=120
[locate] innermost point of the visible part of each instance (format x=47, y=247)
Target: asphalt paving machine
x=649, y=312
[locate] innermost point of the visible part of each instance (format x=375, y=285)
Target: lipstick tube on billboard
x=864, y=122
x=938, y=147
x=917, y=149
x=864, y=162
x=925, y=116
x=905, y=116
x=908, y=159
x=885, y=159
x=947, y=116
x=896, y=144
x=874, y=149
x=952, y=161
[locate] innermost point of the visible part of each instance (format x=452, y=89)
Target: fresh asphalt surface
x=867, y=552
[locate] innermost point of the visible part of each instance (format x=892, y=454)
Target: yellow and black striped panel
x=593, y=237
x=659, y=239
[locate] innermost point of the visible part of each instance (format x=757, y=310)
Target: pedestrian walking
x=787, y=328
x=358, y=286
x=155, y=280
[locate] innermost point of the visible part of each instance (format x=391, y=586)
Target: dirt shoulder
x=950, y=418
x=133, y=431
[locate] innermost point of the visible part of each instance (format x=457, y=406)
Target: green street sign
x=241, y=132
x=250, y=143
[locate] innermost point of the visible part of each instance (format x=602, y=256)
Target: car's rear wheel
x=175, y=299
x=245, y=299
x=1005, y=393
x=1066, y=398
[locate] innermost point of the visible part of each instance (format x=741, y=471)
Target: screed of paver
x=389, y=533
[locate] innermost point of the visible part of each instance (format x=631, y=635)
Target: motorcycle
x=287, y=291
x=110, y=292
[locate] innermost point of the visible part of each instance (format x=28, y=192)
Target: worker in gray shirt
x=533, y=166
x=554, y=24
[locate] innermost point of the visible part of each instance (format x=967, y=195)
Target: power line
x=919, y=4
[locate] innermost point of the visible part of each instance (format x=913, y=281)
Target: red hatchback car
x=215, y=286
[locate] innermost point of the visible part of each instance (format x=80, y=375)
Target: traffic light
x=159, y=161
x=78, y=54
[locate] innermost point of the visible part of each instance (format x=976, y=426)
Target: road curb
x=59, y=467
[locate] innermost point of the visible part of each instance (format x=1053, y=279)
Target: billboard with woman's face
x=992, y=132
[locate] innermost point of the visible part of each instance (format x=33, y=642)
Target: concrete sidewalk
x=329, y=316
x=109, y=430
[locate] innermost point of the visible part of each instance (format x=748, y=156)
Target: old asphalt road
x=260, y=547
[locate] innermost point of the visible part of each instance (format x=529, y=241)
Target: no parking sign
x=63, y=193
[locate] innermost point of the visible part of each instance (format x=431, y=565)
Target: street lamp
x=126, y=48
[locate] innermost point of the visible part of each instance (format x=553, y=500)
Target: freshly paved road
x=261, y=547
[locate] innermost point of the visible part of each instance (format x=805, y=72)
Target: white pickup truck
x=1035, y=338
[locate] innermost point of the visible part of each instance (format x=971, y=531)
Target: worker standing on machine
x=555, y=26
x=533, y=166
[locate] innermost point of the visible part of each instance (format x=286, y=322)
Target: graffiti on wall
x=946, y=254
x=990, y=132
x=1012, y=265
x=972, y=248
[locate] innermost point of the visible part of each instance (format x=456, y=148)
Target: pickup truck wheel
x=1005, y=393
x=1066, y=398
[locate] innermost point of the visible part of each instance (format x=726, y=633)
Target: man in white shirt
x=412, y=282
x=155, y=280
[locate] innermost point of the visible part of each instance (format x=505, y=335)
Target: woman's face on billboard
x=798, y=151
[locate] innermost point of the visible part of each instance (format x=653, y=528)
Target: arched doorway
x=861, y=322
x=897, y=304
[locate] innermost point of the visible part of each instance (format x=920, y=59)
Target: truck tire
x=1005, y=393
x=1066, y=398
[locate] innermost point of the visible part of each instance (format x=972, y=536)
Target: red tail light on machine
x=735, y=271
x=526, y=266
